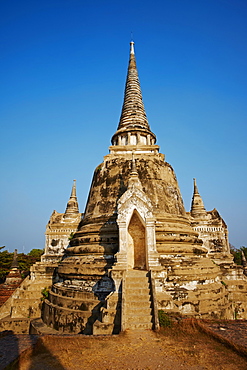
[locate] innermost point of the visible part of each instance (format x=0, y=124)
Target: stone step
x=129, y=311
x=139, y=326
x=135, y=295
x=38, y=285
x=138, y=290
x=137, y=301
x=136, y=278
x=138, y=304
x=136, y=273
x=136, y=284
x=100, y=328
x=39, y=327
x=142, y=289
x=33, y=288
x=138, y=319
x=28, y=297
x=133, y=300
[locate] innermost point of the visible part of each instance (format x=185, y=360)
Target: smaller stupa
x=60, y=228
x=14, y=276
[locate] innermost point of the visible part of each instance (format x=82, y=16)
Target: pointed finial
x=132, y=51
x=195, y=187
x=73, y=192
x=72, y=205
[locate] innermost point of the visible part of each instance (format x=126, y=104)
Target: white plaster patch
x=187, y=308
x=192, y=285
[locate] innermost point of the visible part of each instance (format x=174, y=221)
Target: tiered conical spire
x=14, y=263
x=133, y=111
x=14, y=276
x=133, y=128
x=72, y=205
x=197, y=206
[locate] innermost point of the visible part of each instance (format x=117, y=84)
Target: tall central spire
x=133, y=111
x=133, y=127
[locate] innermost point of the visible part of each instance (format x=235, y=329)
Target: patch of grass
x=45, y=293
x=164, y=319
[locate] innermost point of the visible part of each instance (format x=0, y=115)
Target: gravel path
x=172, y=349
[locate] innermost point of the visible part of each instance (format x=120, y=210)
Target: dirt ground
x=171, y=348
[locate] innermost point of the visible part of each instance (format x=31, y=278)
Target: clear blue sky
x=63, y=69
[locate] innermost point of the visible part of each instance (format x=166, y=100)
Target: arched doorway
x=136, y=243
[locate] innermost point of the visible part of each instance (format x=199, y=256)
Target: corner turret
x=211, y=228
x=60, y=228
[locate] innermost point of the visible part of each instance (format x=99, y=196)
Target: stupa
x=60, y=228
x=136, y=249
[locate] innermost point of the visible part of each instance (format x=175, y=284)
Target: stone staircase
x=25, y=301
x=137, y=301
